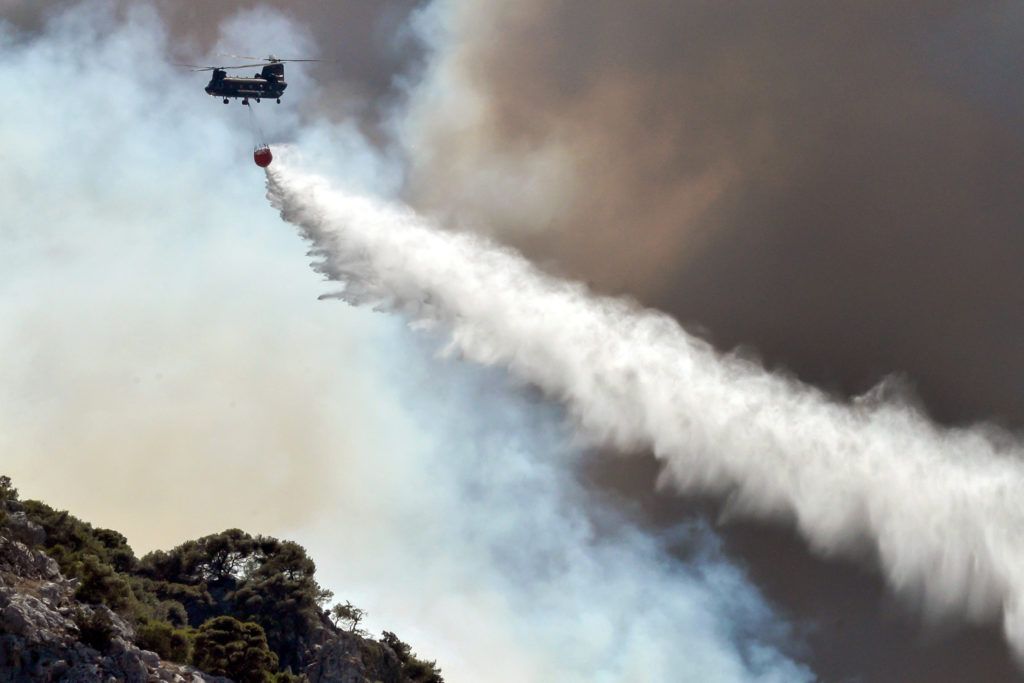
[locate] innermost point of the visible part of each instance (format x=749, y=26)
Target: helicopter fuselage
x=269, y=84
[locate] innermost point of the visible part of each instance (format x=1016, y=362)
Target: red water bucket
x=262, y=156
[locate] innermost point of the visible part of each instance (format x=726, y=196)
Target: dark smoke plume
x=834, y=184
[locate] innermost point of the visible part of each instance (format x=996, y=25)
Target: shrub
x=95, y=629
x=225, y=646
x=170, y=643
x=181, y=645
x=413, y=668
x=101, y=584
x=7, y=490
x=155, y=636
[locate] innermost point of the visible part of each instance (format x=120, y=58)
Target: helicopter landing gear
x=279, y=100
x=257, y=99
x=225, y=100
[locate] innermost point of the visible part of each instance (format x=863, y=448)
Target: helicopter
x=269, y=82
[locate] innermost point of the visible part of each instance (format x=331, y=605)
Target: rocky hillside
x=77, y=605
x=48, y=635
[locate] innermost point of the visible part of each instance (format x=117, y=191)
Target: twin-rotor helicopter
x=269, y=83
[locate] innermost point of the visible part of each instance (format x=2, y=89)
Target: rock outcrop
x=348, y=658
x=47, y=635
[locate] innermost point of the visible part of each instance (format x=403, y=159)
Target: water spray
x=941, y=508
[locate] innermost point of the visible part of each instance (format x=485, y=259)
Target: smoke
x=133, y=391
x=168, y=371
x=833, y=184
x=937, y=507
x=529, y=575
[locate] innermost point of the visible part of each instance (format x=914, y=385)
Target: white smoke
x=168, y=372
x=510, y=570
x=939, y=507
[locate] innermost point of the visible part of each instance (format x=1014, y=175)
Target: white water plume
x=940, y=508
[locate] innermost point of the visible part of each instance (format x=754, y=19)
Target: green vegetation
x=413, y=669
x=231, y=603
x=92, y=555
x=254, y=579
x=348, y=616
x=96, y=629
x=7, y=492
x=172, y=644
x=228, y=647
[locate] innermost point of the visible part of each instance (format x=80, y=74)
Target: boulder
x=24, y=529
x=21, y=562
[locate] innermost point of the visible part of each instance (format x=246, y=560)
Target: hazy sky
x=834, y=188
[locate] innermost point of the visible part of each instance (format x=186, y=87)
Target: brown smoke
x=816, y=180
